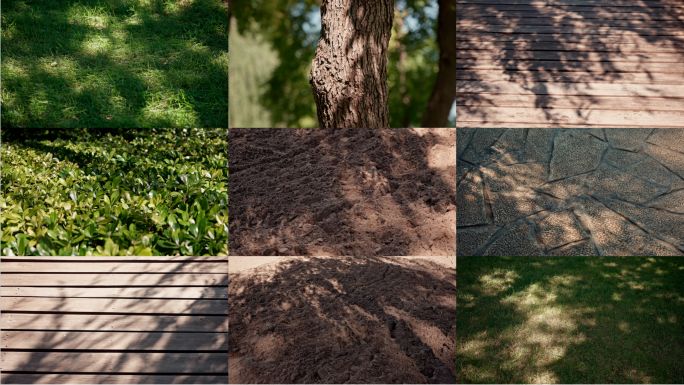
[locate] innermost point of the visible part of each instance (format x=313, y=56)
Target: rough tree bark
x=349, y=72
x=444, y=92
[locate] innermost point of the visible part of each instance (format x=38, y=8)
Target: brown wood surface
x=570, y=117
x=533, y=56
x=560, y=8
x=572, y=77
x=576, y=102
x=89, y=362
x=547, y=65
x=571, y=30
x=597, y=3
x=174, y=292
x=107, y=279
x=114, y=319
x=628, y=37
x=115, y=305
x=113, y=322
x=72, y=378
x=587, y=14
x=78, y=340
x=562, y=22
x=563, y=89
x=564, y=47
x=113, y=267
x=574, y=63
x=169, y=259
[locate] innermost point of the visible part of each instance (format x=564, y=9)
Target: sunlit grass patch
x=570, y=320
x=94, y=57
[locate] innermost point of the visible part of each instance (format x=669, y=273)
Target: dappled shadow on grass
x=332, y=320
x=570, y=320
x=141, y=327
x=85, y=64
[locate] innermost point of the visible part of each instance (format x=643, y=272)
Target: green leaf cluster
x=159, y=192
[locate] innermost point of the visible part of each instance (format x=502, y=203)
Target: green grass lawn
x=115, y=63
x=570, y=320
x=133, y=192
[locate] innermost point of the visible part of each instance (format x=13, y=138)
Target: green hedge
x=157, y=192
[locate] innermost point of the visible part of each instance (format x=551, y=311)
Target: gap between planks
x=110, y=378
x=97, y=340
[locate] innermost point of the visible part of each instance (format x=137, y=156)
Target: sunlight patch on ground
x=221, y=61
x=14, y=67
x=498, y=281
x=95, y=45
x=545, y=336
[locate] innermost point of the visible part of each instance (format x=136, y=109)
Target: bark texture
x=349, y=72
x=444, y=92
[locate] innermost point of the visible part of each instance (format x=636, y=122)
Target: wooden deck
x=114, y=320
x=570, y=63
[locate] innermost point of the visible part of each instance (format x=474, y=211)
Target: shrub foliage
x=155, y=192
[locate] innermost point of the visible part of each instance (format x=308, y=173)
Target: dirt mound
x=343, y=320
x=342, y=192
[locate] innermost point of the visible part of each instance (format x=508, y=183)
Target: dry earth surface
x=565, y=192
x=342, y=320
x=343, y=191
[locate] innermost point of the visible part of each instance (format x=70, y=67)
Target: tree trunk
x=444, y=92
x=349, y=72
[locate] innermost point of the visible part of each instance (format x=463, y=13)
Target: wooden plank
x=95, y=280
x=517, y=22
x=112, y=322
x=119, y=259
x=71, y=378
x=602, y=67
x=210, y=363
x=551, y=3
x=572, y=77
x=460, y=124
x=570, y=117
x=476, y=38
x=532, y=12
x=114, y=267
x=559, y=89
x=115, y=305
x=577, y=102
x=523, y=45
x=174, y=292
x=556, y=9
x=572, y=30
x=612, y=57
x=149, y=341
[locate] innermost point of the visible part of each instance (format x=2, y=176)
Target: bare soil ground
x=342, y=320
x=343, y=192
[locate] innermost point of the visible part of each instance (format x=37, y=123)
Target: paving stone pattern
x=570, y=192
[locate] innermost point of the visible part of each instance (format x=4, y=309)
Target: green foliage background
x=122, y=192
x=286, y=31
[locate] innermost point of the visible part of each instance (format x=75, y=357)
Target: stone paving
x=570, y=192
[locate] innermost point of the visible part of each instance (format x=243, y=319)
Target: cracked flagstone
x=575, y=152
x=573, y=191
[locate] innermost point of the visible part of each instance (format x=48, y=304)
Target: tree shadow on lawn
x=342, y=192
x=201, y=95
x=570, y=320
x=339, y=319
x=164, y=331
